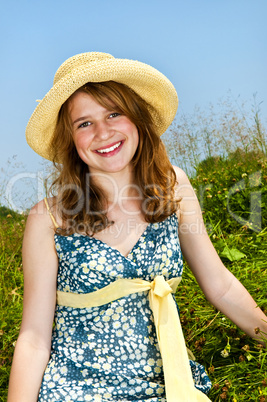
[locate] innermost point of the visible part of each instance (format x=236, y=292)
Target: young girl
x=102, y=258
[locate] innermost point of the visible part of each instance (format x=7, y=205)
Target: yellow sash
x=179, y=383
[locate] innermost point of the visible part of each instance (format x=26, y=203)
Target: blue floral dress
x=110, y=352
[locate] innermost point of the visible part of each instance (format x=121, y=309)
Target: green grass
x=242, y=375
x=11, y=290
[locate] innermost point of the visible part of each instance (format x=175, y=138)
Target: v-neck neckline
x=131, y=250
x=106, y=245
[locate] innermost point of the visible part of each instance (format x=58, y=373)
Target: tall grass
x=241, y=375
x=217, y=131
x=225, y=156
x=11, y=289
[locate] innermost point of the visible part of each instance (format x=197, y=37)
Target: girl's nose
x=103, y=131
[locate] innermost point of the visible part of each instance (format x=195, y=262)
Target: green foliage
x=241, y=241
x=234, y=190
x=225, y=153
x=4, y=212
x=242, y=374
x=11, y=289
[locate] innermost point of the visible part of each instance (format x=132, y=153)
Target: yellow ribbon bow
x=179, y=383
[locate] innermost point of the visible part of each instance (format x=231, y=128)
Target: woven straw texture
x=145, y=80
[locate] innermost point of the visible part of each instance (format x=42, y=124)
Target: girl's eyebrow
x=110, y=110
x=80, y=119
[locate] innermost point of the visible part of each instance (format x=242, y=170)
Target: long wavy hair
x=80, y=203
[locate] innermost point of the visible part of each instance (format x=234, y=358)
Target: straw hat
x=145, y=80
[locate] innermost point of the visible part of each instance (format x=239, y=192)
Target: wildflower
x=209, y=196
x=227, y=383
x=211, y=369
x=244, y=175
x=247, y=353
x=226, y=351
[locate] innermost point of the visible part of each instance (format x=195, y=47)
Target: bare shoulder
x=38, y=248
x=39, y=255
x=39, y=228
x=180, y=175
x=39, y=217
x=40, y=265
x=184, y=189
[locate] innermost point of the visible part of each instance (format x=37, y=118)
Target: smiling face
x=105, y=139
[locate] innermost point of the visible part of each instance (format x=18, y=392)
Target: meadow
x=225, y=156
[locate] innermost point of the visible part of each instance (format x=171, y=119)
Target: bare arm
x=32, y=349
x=219, y=285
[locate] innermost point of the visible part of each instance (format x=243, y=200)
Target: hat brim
x=146, y=81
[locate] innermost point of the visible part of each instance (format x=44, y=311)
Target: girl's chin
x=113, y=168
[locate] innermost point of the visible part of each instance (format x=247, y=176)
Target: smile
x=110, y=149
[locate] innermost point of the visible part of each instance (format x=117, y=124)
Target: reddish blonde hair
x=85, y=203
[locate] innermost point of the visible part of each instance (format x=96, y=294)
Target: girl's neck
x=117, y=186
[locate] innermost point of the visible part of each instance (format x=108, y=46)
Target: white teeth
x=103, y=151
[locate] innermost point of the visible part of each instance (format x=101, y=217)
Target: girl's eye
x=114, y=114
x=85, y=124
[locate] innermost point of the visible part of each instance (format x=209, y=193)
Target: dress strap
x=50, y=213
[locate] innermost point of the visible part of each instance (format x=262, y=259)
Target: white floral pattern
x=110, y=352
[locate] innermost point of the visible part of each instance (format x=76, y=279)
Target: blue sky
x=206, y=48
